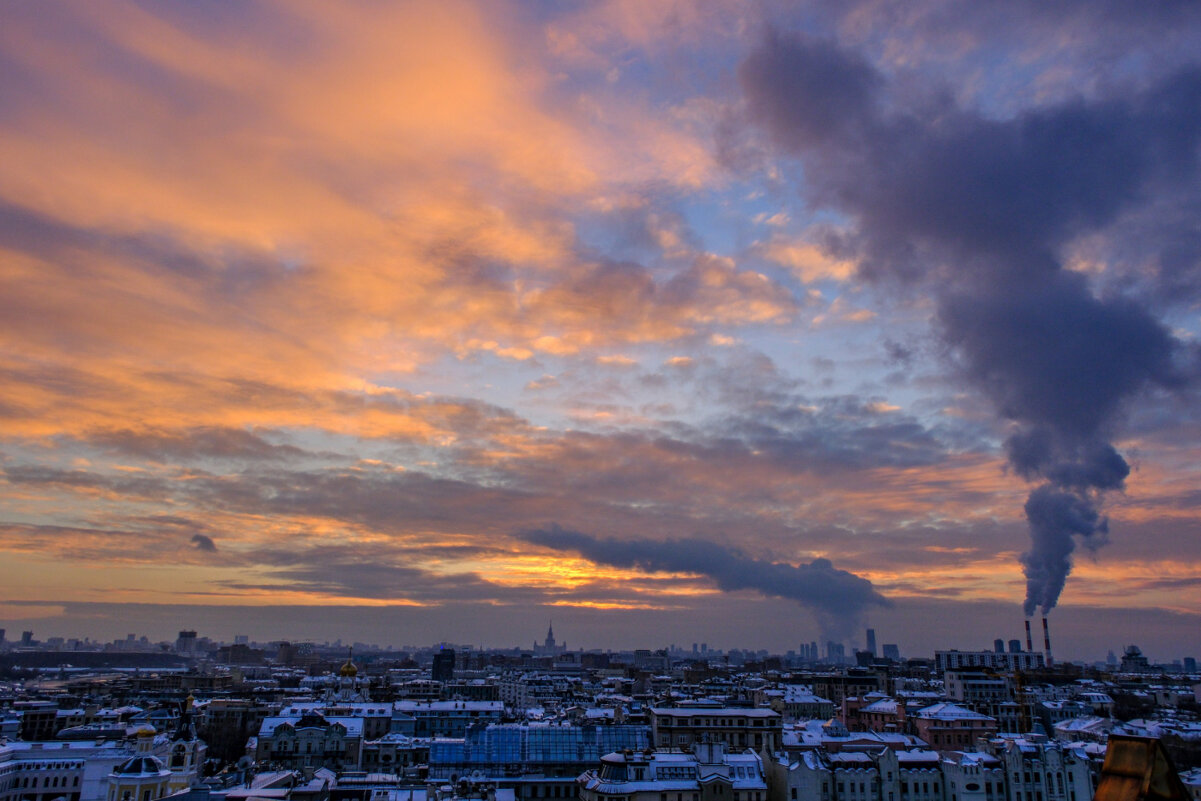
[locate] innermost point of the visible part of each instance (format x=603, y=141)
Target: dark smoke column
x=1060, y=364
x=979, y=211
x=1056, y=518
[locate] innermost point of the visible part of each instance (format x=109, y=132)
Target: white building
x=1021, y=660
x=709, y=773
x=76, y=770
x=1036, y=770
x=1012, y=770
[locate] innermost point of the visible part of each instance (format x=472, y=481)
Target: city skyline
x=744, y=631
x=768, y=320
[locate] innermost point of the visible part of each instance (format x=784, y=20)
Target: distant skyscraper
x=186, y=642
x=871, y=641
x=27, y=638
x=550, y=647
x=998, y=645
x=891, y=651
x=1190, y=662
x=1015, y=646
x=443, y=669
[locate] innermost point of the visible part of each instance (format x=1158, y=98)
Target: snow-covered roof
x=735, y=711
x=949, y=711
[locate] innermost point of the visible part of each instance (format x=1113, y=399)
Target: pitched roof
x=1138, y=769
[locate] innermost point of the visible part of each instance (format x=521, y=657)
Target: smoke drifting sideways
x=977, y=211
x=838, y=599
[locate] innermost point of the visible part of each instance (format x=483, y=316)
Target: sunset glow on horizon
x=668, y=320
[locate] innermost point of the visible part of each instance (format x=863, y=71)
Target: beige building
x=311, y=741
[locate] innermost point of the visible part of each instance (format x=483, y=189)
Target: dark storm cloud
x=1033, y=454
x=1016, y=51
x=1051, y=354
x=1001, y=195
x=830, y=92
x=204, y=543
x=838, y=598
x=979, y=210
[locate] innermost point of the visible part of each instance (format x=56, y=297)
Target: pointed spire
x=349, y=670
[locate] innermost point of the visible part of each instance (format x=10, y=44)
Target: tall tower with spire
x=549, y=647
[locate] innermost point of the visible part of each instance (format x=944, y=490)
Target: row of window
x=287, y=745
x=759, y=722
x=29, y=766
x=32, y=781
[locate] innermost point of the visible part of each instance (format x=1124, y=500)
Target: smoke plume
x=837, y=598
x=977, y=211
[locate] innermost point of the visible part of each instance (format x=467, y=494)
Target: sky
x=744, y=323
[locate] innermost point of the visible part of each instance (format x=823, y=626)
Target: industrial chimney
x=1029, y=641
x=1047, y=642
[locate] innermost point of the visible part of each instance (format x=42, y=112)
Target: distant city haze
x=741, y=623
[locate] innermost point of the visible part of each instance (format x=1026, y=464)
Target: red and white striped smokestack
x=1029, y=641
x=1047, y=642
